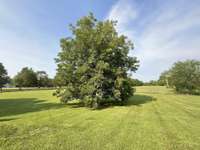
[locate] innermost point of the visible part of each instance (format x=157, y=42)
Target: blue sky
x=162, y=31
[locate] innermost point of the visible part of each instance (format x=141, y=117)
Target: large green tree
x=59, y=79
x=185, y=76
x=26, y=78
x=3, y=76
x=94, y=63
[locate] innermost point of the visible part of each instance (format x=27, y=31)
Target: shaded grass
x=139, y=100
x=9, y=107
x=155, y=118
x=26, y=89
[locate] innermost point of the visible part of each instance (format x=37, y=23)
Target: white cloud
x=163, y=35
x=122, y=12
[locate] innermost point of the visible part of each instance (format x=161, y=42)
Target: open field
x=155, y=118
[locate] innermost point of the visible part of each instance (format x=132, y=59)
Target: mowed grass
x=155, y=118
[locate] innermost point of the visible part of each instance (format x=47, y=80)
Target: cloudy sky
x=162, y=31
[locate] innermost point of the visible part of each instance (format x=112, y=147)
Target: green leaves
x=26, y=78
x=184, y=76
x=3, y=76
x=94, y=63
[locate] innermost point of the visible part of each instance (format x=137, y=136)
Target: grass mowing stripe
x=168, y=122
x=189, y=124
x=182, y=107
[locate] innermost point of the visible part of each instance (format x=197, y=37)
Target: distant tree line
x=136, y=82
x=151, y=83
x=27, y=77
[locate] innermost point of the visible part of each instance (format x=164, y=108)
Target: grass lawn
x=155, y=118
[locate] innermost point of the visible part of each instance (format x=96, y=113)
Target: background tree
x=50, y=82
x=94, y=63
x=26, y=78
x=165, y=79
x=135, y=82
x=185, y=76
x=3, y=76
x=42, y=79
x=151, y=83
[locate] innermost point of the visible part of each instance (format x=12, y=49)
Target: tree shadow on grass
x=10, y=107
x=75, y=104
x=7, y=119
x=139, y=100
x=136, y=100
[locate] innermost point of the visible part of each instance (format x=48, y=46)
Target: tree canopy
x=94, y=63
x=165, y=79
x=184, y=76
x=59, y=80
x=26, y=78
x=3, y=76
x=42, y=79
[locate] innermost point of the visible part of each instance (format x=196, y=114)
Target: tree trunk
x=95, y=105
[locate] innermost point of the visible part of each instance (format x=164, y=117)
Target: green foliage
x=3, y=76
x=185, y=76
x=162, y=79
x=26, y=78
x=59, y=79
x=94, y=62
x=43, y=80
x=136, y=82
x=29, y=78
x=50, y=83
x=151, y=82
x=165, y=79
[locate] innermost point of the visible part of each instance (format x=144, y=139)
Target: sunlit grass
x=155, y=118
